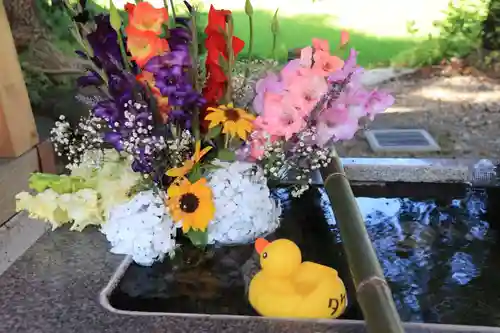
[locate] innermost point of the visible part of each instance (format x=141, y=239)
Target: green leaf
x=114, y=17
x=198, y=238
x=226, y=155
x=42, y=181
x=248, y=8
x=213, y=132
x=223, y=63
x=209, y=166
x=195, y=173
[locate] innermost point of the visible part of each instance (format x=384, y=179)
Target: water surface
x=438, y=247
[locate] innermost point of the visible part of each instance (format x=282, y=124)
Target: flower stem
x=230, y=55
x=194, y=72
x=174, y=16
x=250, y=51
x=169, y=22
x=123, y=52
x=275, y=37
x=88, y=49
x=194, y=49
x=250, y=41
x=275, y=31
x=226, y=141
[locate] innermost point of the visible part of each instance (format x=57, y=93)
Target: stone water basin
x=438, y=245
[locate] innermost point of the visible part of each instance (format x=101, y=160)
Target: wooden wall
x=18, y=132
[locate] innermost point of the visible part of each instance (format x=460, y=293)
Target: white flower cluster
x=179, y=149
x=72, y=143
x=141, y=228
x=296, y=160
x=244, y=208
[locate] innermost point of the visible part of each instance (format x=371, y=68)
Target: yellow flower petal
x=185, y=226
x=201, y=189
x=204, y=211
x=181, y=171
x=203, y=153
x=242, y=133
x=215, y=117
x=173, y=191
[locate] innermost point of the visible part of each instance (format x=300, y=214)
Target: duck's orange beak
x=260, y=245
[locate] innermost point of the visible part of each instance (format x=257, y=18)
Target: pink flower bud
x=344, y=37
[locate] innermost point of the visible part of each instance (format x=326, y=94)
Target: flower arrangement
x=167, y=151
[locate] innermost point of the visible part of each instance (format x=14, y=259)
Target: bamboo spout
x=372, y=291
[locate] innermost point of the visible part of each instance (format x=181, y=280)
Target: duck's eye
x=264, y=255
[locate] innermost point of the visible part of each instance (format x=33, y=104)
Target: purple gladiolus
x=115, y=139
x=91, y=79
x=104, y=43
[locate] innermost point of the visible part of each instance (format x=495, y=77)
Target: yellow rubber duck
x=289, y=288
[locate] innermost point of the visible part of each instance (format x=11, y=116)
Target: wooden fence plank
x=18, y=132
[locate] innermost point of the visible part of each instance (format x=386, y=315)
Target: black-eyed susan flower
x=188, y=165
x=235, y=121
x=191, y=203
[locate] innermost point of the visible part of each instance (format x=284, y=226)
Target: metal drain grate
x=402, y=140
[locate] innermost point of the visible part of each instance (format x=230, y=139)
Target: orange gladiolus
x=144, y=45
x=145, y=17
x=148, y=79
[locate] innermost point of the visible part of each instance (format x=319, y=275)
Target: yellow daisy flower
x=235, y=121
x=189, y=164
x=191, y=203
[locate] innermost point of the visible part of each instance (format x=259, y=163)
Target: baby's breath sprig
x=296, y=160
x=72, y=142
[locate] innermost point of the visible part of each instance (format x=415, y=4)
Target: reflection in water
x=441, y=259
x=437, y=257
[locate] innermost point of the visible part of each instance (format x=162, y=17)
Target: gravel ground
x=462, y=113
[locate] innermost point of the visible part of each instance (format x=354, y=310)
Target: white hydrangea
x=244, y=209
x=142, y=229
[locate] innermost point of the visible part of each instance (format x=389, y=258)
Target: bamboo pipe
x=372, y=291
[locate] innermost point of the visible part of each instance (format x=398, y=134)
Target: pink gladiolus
x=326, y=64
x=271, y=84
x=304, y=92
x=350, y=67
x=339, y=123
x=321, y=45
x=306, y=56
x=281, y=123
x=344, y=37
x=344, y=131
x=378, y=102
x=298, y=67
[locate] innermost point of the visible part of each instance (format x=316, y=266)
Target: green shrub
x=459, y=33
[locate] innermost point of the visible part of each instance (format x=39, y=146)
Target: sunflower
x=189, y=164
x=235, y=121
x=191, y=204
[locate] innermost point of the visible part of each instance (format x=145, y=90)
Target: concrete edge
x=16, y=236
x=127, y=261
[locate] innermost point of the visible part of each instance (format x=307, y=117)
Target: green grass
x=378, y=28
x=373, y=50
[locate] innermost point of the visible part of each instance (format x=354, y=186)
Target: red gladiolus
x=216, y=46
x=216, y=20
